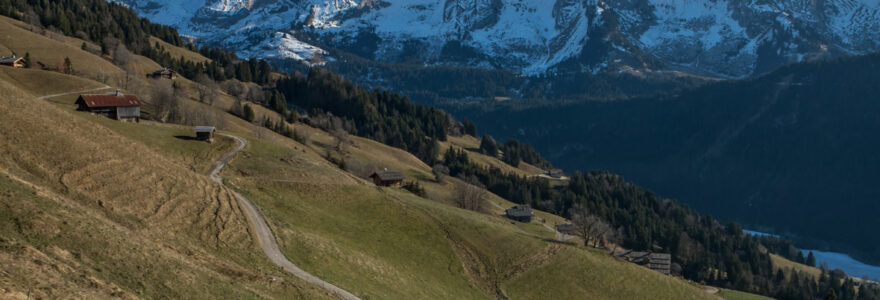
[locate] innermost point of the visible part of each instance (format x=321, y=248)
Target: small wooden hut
x=163, y=73
x=205, y=133
x=522, y=213
x=388, y=178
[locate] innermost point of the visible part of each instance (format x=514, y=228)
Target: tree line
x=379, y=115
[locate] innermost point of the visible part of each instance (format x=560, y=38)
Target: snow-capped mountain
x=726, y=38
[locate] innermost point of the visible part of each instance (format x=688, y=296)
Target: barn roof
x=9, y=60
x=519, y=211
x=163, y=71
x=389, y=175
x=565, y=227
x=204, y=128
x=109, y=100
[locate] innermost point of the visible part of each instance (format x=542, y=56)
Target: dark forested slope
x=795, y=150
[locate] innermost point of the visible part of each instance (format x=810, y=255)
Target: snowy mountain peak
x=230, y=6
x=723, y=38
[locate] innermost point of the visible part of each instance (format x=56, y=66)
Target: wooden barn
x=115, y=106
x=14, y=61
x=163, y=73
x=205, y=133
x=388, y=178
x=522, y=213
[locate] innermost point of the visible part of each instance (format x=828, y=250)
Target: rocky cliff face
x=723, y=38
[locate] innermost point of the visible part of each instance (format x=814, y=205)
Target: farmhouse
x=522, y=213
x=115, y=105
x=14, y=61
x=659, y=262
x=163, y=73
x=205, y=133
x=388, y=178
x=555, y=173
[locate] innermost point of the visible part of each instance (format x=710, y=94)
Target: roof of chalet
x=565, y=227
x=9, y=60
x=519, y=211
x=653, y=257
x=389, y=175
x=163, y=71
x=110, y=100
x=205, y=129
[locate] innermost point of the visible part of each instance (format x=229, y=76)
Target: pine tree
x=249, y=114
x=811, y=259
x=68, y=66
x=469, y=128
x=27, y=59
x=488, y=146
x=831, y=295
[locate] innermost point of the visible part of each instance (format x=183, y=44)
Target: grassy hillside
x=389, y=244
x=51, y=49
x=737, y=295
x=42, y=83
x=95, y=190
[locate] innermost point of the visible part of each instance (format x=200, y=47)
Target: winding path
x=105, y=87
x=264, y=234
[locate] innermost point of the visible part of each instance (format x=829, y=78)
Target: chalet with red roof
x=115, y=106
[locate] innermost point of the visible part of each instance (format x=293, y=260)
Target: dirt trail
x=264, y=235
x=77, y=92
x=711, y=290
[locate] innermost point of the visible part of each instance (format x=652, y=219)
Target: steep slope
x=108, y=224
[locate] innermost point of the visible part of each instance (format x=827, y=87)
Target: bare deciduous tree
x=207, y=89
x=589, y=227
x=235, y=88
x=164, y=97
x=33, y=20
x=440, y=172
x=256, y=94
x=470, y=195
x=125, y=60
x=337, y=130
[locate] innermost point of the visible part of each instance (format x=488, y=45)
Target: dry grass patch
x=52, y=52
x=129, y=215
x=42, y=83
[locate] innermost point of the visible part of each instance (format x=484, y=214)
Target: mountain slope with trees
x=793, y=151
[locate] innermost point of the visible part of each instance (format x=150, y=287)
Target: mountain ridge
x=725, y=39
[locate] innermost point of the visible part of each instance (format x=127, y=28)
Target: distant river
x=837, y=260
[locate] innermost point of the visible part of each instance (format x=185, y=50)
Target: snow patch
x=285, y=45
